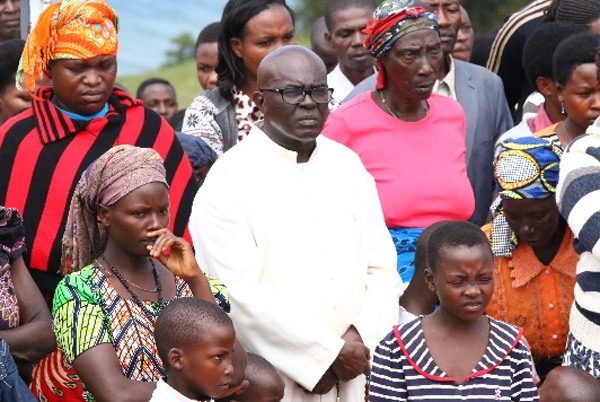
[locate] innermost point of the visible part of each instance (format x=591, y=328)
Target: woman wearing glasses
x=410, y=140
x=250, y=29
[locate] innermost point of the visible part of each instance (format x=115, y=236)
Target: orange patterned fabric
x=71, y=29
x=534, y=296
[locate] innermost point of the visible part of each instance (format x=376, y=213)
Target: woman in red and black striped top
x=45, y=149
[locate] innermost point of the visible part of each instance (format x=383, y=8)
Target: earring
x=562, y=108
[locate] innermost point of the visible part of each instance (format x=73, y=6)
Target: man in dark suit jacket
x=481, y=95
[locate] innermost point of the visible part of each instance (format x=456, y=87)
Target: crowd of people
x=375, y=219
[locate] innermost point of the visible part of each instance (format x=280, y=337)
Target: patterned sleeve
x=200, y=121
x=387, y=373
x=12, y=236
x=79, y=322
x=218, y=288
x=523, y=386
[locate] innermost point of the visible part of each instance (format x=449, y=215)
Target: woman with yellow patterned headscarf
x=69, y=30
x=534, y=259
x=74, y=43
x=82, y=115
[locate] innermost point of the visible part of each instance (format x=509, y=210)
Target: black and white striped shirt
x=578, y=198
x=404, y=369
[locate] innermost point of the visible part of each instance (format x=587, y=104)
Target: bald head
x=293, y=96
x=283, y=64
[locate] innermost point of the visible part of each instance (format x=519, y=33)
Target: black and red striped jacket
x=43, y=152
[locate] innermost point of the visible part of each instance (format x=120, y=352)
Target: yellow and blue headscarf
x=526, y=168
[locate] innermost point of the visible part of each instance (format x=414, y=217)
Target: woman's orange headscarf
x=71, y=29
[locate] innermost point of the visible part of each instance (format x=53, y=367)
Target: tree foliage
x=182, y=49
x=489, y=14
x=485, y=14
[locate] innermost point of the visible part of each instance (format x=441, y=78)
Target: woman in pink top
x=412, y=142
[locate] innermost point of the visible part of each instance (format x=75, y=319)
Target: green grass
x=182, y=76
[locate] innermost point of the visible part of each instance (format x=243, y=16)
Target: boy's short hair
x=260, y=374
x=181, y=323
x=539, y=48
x=258, y=366
x=421, y=250
x=209, y=34
x=151, y=81
x=453, y=234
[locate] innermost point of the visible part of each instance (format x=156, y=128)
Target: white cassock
x=304, y=252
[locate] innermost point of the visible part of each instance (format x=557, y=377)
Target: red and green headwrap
x=390, y=21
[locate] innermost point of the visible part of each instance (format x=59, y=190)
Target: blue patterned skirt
x=405, y=240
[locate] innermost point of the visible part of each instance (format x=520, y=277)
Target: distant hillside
x=183, y=77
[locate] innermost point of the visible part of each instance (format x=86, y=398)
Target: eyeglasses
x=294, y=95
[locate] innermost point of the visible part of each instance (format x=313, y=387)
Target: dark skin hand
x=180, y=261
x=326, y=383
x=353, y=360
x=354, y=357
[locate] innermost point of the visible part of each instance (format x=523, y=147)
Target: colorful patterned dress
x=87, y=312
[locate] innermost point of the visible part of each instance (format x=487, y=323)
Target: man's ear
x=175, y=357
x=328, y=38
x=104, y=215
x=429, y=279
x=236, y=46
x=259, y=100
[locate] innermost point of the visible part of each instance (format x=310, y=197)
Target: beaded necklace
x=135, y=297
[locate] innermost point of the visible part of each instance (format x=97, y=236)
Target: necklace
x=568, y=137
x=425, y=106
x=127, y=280
x=135, y=297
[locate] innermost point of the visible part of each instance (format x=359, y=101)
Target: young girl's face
x=581, y=96
x=464, y=280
